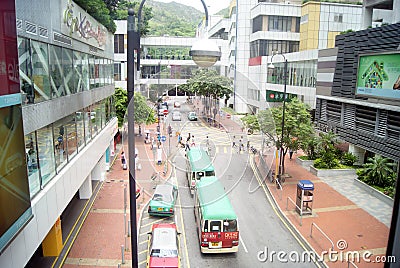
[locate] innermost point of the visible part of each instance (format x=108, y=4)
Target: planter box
x=304, y=163
x=332, y=172
x=374, y=192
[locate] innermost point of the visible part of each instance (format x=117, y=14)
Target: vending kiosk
x=304, y=197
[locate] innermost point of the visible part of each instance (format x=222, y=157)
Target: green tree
x=328, y=157
x=378, y=171
x=251, y=122
x=143, y=112
x=297, y=125
x=121, y=13
x=212, y=86
x=100, y=11
x=309, y=145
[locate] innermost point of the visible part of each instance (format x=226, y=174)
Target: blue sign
x=163, y=138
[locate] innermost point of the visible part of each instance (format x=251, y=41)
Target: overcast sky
x=213, y=6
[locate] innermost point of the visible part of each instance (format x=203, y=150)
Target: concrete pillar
x=85, y=191
x=396, y=11
x=107, y=166
x=96, y=172
x=359, y=152
x=367, y=17
x=52, y=243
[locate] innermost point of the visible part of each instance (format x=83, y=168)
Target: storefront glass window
x=46, y=154
x=40, y=76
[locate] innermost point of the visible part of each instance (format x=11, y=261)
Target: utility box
x=304, y=197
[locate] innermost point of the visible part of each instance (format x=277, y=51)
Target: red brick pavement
x=102, y=234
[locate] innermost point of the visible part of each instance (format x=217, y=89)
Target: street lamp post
x=281, y=157
x=205, y=55
x=133, y=37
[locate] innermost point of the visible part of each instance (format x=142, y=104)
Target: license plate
x=214, y=244
x=160, y=209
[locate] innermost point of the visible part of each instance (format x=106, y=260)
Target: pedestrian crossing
x=219, y=141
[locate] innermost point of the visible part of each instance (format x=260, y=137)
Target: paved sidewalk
x=102, y=234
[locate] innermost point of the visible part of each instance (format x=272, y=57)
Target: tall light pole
x=206, y=55
x=281, y=155
x=133, y=43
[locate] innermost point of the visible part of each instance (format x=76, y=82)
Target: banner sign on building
x=79, y=25
x=277, y=96
x=379, y=76
x=15, y=202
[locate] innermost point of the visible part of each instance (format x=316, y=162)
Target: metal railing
x=301, y=214
x=316, y=226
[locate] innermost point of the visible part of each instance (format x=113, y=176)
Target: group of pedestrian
x=240, y=145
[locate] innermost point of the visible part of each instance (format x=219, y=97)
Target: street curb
x=286, y=220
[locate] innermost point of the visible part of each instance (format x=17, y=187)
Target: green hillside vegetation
x=173, y=19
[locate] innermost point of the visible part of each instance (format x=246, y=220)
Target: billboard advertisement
x=15, y=206
x=379, y=76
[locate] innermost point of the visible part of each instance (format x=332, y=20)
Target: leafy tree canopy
x=144, y=114
x=297, y=125
x=121, y=13
x=99, y=10
x=209, y=83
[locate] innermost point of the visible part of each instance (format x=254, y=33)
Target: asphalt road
x=260, y=228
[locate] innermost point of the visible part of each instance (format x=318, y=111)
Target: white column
x=396, y=11
x=367, y=17
x=85, y=191
x=97, y=172
x=359, y=152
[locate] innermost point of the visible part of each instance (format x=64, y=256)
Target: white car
x=176, y=116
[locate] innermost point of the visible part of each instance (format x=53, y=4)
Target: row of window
x=301, y=73
x=276, y=24
x=50, y=148
x=267, y=47
x=48, y=71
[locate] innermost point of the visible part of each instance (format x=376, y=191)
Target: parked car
x=163, y=200
x=176, y=116
x=192, y=116
x=163, y=248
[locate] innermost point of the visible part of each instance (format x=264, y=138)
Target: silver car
x=176, y=116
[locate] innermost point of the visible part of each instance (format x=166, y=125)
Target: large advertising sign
x=81, y=26
x=379, y=76
x=15, y=206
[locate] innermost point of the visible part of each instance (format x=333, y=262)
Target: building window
x=266, y=47
x=279, y=24
x=117, y=71
x=257, y=24
x=338, y=18
x=304, y=19
x=118, y=43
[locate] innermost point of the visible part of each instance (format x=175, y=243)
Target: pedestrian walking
x=187, y=148
x=192, y=141
x=123, y=160
x=248, y=146
x=290, y=154
x=240, y=146
x=140, y=131
x=233, y=142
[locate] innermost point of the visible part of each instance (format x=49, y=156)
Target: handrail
x=352, y=263
x=313, y=224
x=301, y=213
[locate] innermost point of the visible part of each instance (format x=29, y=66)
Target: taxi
x=163, y=246
x=163, y=201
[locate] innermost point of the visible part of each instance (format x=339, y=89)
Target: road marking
x=217, y=150
x=141, y=252
x=155, y=221
x=274, y=209
x=225, y=150
x=145, y=241
x=242, y=243
x=183, y=228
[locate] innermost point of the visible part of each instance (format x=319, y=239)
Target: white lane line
x=242, y=243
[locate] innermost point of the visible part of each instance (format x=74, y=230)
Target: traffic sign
x=165, y=112
x=163, y=138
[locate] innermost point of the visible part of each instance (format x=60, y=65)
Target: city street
x=259, y=226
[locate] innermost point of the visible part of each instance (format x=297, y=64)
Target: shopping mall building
x=58, y=123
